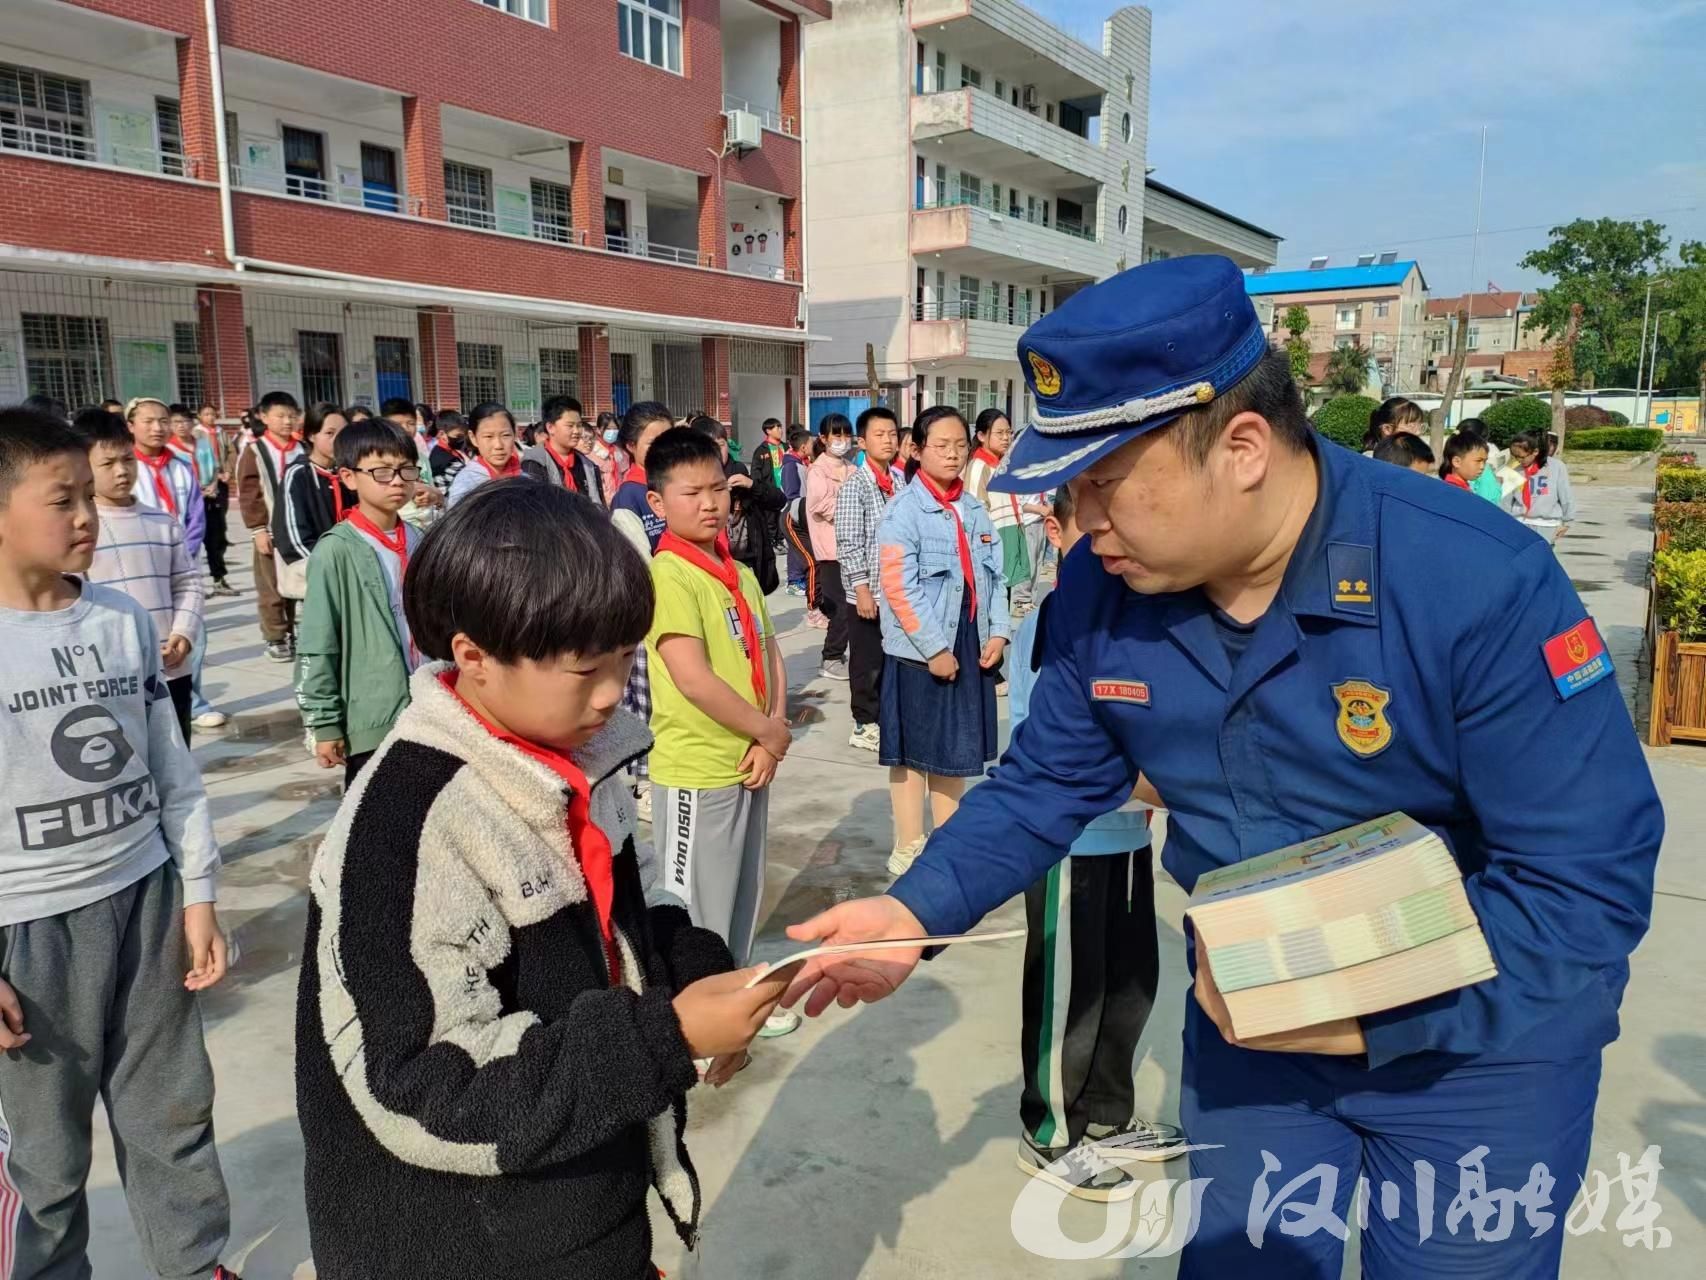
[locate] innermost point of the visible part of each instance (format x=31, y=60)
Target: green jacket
x=351, y=679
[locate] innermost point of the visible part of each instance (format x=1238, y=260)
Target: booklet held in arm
x=1353, y=922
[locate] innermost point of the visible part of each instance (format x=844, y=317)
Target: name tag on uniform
x=1576, y=659
x=1135, y=692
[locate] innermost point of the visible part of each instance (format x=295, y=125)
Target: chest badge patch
x=1576, y=659
x=1135, y=692
x=1362, y=722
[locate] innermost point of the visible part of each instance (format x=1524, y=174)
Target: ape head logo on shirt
x=89, y=745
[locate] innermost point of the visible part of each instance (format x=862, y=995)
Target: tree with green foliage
x=1347, y=369
x=1604, y=265
x=1344, y=419
x=1297, y=346
x=1509, y=418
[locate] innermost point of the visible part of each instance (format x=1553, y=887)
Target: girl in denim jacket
x=945, y=624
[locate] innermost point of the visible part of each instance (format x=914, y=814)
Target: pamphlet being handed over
x=887, y=944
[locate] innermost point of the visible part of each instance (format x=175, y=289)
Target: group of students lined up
x=1529, y=480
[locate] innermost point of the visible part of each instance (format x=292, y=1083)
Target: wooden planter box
x=1679, y=691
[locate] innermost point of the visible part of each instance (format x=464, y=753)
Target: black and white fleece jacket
x=476, y=1098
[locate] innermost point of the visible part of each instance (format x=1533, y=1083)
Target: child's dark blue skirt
x=945, y=727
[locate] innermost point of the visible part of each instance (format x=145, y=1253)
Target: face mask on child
x=840, y=447
x=611, y=435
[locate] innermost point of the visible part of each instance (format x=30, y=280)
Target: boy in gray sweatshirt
x=107, y=864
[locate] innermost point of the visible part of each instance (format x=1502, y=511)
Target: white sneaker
x=867, y=737
x=904, y=855
x=210, y=720
x=833, y=669
x=1146, y=1140
x=643, y=803
x=779, y=1023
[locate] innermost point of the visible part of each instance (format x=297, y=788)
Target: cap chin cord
x=1128, y=414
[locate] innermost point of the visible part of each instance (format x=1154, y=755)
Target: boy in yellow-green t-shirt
x=718, y=692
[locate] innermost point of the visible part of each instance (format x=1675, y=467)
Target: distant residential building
x=974, y=166
x=1495, y=327
x=1378, y=303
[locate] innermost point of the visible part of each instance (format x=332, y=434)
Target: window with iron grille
x=559, y=371
x=321, y=356
x=186, y=353
x=468, y=195
x=305, y=163
x=967, y=398
x=478, y=369
x=66, y=357
x=43, y=113
x=170, y=123
x=550, y=211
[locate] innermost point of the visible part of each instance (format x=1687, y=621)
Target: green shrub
x=1507, y=419
x=1619, y=419
x=1344, y=419
x=1684, y=522
x=1584, y=417
x=1679, y=584
x=1626, y=439
x=1679, y=484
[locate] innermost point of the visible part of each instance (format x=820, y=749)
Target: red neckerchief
x=331, y=478
x=636, y=473
x=992, y=462
x=162, y=486
x=397, y=543
x=511, y=468
x=184, y=451
x=947, y=497
x=589, y=846
x=453, y=451
x=1530, y=471
x=882, y=475
x=726, y=572
x=1459, y=481
x=565, y=466
x=283, y=456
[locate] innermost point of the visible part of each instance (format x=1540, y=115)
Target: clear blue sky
x=1355, y=127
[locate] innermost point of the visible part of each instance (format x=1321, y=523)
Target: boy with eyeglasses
x=354, y=650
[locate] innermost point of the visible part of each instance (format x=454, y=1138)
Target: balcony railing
x=60, y=145
x=770, y=116
x=988, y=309
x=954, y=199
x=306, y=188
x=926, y=81
x=639, y=247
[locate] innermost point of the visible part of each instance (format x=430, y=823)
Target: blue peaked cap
x=1126, y=356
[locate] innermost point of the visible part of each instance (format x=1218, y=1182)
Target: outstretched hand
x=848, y=980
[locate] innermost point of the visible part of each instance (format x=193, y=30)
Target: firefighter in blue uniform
x=1287, y=639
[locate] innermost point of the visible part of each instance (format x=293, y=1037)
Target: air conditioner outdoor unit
x=1030, y=99
x=745, y=130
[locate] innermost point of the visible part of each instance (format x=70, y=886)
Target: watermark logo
x=1163, y=1215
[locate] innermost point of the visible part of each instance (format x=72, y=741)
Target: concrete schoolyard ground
x=880, y=1142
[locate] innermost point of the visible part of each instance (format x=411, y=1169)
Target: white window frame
x=484, y=216
x=1381, y=309
x=1474, y=339
x=642, y=23
x=553, y=211
x=52, y=116
x=527, y=10
x=1345, y=318
x=479, y=369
